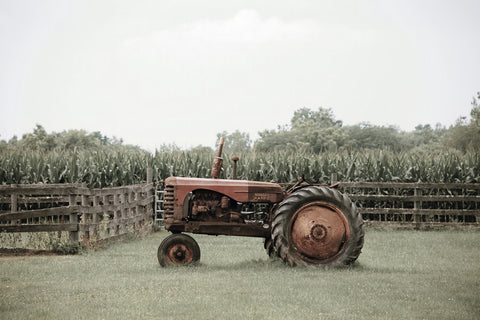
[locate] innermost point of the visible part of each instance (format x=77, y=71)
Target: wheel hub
x=319, y=231
x=180, y=254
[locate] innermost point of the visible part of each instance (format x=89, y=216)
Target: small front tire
x=178, y=249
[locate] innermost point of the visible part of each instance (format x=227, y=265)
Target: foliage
x=465, y=135
x=318, y=131
x=315, y=131
x=313, y=145
x=71, y=140
x=97, y=168
x=57, y=242
x=323, y=118
x=66, y=247
x=107, y=168
x=235, y=143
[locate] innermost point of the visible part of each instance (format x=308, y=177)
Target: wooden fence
x=87, y=214
x=416, y=204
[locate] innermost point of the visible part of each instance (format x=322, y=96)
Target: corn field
x=111, y=168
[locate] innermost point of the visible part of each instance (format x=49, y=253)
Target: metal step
x=159, y=201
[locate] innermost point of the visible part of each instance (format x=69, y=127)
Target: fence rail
x=85, y=213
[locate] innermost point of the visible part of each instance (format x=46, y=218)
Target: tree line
x=69, y=140
x=309, y=131
x=317, y=131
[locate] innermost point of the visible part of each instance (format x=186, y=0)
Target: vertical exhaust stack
x=234, y=174
x=218, y=161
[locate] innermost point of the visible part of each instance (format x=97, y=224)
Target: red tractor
x=305, y=225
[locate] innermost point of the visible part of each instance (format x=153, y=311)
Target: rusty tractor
x=308, y=224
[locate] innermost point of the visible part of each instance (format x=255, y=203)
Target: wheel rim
x=319, y=232
x=179, y=253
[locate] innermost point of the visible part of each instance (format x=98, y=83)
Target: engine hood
x=239, y=190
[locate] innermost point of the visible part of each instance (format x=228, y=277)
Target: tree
x=309, y=131
x=322, y=118
x=235, y=143
x=475, y=112
x=368, y=136
x=465, y=134
x=423, y=135
x=41, y=140
x=201, y=150
x=272, y=140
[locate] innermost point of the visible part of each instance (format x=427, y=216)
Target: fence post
x=138, y=211
x=417, y=204
x=85, y=215
x=73, y=218
x=151, y=192
x=333, y=179
x=131, y=212
x=123, y=200
x=95, y=216
x=14, y=200
x=149, y=175
x=106, y=215
x=115, y=214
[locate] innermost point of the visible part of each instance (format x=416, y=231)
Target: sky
x=179, y=72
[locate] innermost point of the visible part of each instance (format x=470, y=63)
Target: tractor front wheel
x=177, y=249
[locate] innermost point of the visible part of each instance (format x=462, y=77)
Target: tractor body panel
x=217, y=206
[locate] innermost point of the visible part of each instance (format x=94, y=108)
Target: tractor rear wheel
x=268, y=245
x=178, y=248
x=317, y=226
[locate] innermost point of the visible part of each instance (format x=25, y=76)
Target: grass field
x=400, y=275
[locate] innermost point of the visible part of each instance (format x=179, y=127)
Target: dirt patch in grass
x=21, y=252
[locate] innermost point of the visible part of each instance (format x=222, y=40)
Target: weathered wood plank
x=39, y=227
x=121, y=206
x=422, y=225
x=441, y=198
x=47, y=199
x=404, y=185
x=40, y=213
x=125, y=189
x=41, y=200
x=451, y=212
x=22, y=200
x=44, y=189
x=114, y=222
x=399, y=185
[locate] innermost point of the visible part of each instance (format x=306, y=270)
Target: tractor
x=307, y=224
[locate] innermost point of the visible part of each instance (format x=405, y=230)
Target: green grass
x=399, y=275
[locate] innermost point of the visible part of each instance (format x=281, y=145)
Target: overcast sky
x=161, y=72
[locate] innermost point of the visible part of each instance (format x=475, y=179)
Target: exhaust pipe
x=234, y=174
x=218, y=161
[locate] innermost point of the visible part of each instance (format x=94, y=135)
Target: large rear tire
x=268, y=245
x=317, y=226
x=178, y=249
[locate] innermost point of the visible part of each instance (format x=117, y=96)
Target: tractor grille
x=169, y=198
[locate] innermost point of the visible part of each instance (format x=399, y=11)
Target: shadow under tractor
x=305, y=225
